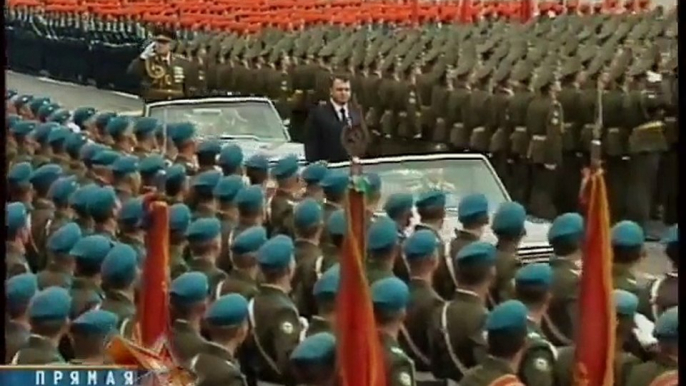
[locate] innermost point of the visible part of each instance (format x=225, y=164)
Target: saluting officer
x=242, y=278
x=60, y=269
x=19, y=291
x=119, y=278
x=90, y=333
x=664, y=368
x=661, y=293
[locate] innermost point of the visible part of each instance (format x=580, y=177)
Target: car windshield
x=246, y=119
x=456, y=177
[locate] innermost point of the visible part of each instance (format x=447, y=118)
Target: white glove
x=644, y=330
x=74, y=127
x=148, y=52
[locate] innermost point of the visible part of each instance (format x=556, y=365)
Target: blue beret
x=472, y=207
x=510, y=315
x=431, y=199
x=103, y=119
x=567, y=226
x=63, y=240
x=79, y=199
x=249, y=240
x=181, y=132
x=43, y=130
x=230, y=157
x=124, y=165
x=189, y=288
x=390, y=295
x=382, y=235
x=91, y=249
x=89, y=150
x=82, y=114
x=257, y=161
x=314, y=173
x=22, y=100
x=176, y=174
x=145, y=126
x=228, y=187
x=627, y=234
x=179, y=218
x=250, y=198
x=227, y=311
x=316, y=349
x=60, y=116
x=336, y=225
x=131, y=212
x=45, y=175
x=277, y=252
x=478, y=252
x=151, y=164
x=667, y=325
x=327, y=285
x=20, y=289
x=626, y=303
x=120, y=264
x=210, y=147
x=374, y=182
x=398, y=203
x=671, y=236
x=307, y=213
x=535, y=274
x=335, y=182
x=37, y=103
x=62, y=189
x=12, y=119
x=75, y=143
x=101, y=201
x=51, y=304
x=509, y=219
x=286, y=167
x=206, y=181
x=203, y=229
x=105, y=157
x=17, y=217
x=46, y=110
x=96, y=322
x=421, y=244
x=23, y=127
x=9, y=94
x=118, y=125
x=20, y=173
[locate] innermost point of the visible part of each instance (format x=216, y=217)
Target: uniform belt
x=613, y=130
x=424, y=376
x=520, y=129
x=568, y=124
x=539, y=137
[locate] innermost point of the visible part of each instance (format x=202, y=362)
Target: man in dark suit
x=326, y=121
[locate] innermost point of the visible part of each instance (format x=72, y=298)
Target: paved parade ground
x=73, y=96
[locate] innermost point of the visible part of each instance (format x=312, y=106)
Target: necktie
x=344, y=116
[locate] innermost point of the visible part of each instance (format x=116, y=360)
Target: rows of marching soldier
x=254, y=251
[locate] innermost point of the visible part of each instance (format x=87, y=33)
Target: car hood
x=536, y=231
x=272, y=150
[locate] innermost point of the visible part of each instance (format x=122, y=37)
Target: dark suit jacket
x=323, y=133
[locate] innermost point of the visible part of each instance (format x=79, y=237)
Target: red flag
x=526, y=10
x=466, y=11
x=595, y=339
x=360, y=355
x=153, y=303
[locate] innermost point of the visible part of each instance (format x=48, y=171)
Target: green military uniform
x=54, y=275
x=663, y=369
x=20, y=289
x=124, y=307
x=41, y=216
x=177, y=262
x=85, y=293
x=239, y=282
x=281, y=213
x=187, y=290
x=15, y=262
x=216, y=366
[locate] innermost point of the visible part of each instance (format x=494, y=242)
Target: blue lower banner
x=71, y=376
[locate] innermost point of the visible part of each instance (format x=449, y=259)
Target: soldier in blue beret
x=662, y=292
x=391, y=297
x=309, y=225
x=89, y=253
x=18, y=293
x=420, y=256
x=48, y=316
x=148, y=167
x=36, y=103
x=98, y=132
x=257, y=169
x=230, y=160
x=288, y=187
x=22, y=107
x=334, y=185
x=506, y=332
x=61, y=116
x=60, y=267
x=40, y=136
x=87, y=152
x=313, y=175
x=120, y=272
x=130, y=226
x=45, y=111
x=250, y=202
x=179, y=220
x=90, y=335
x=227, y=320
x=43, y=209
x=204, y=239
x=84, y=118
x=276, y=324
x=59, y=193
x=144, y=129
x=202, y=193
x=101, y=166
x=189, y=300
x=103, y=207
x=19, y=183
x=336, y=228
x=79, y=205
x=664, y=368
x=473, y=214
x=225, y=193
x=474, y=270
x=509, y=226
x=627, y=251
x=18, y=235
x=373, y=196
x=382, y=249
x=20, y=132
x=73, y=145
x=566, y=236
x=125, y=177
x=207, y=152
x=176, y=183
x=314, y=359
x=57, y=140
x=325, y=290
x=431, y=209
x=242, y=277
x=183, y=137
x=398, y=207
